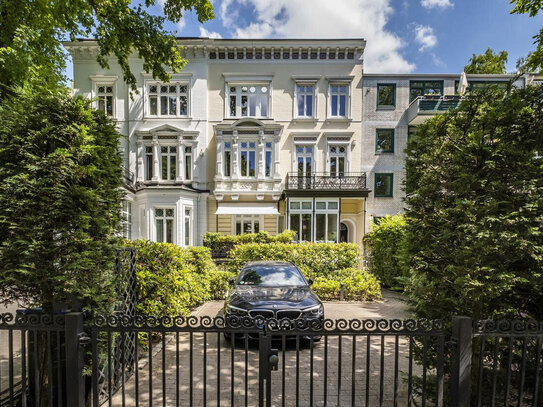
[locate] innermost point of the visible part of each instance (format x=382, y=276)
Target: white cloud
x=425, y=36
x=436, y=3
x=210, y=34
x=323, y=19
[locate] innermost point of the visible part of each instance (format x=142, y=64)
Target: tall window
x=383, y=184
x=168, y=160
x=168, y=99
x=304, y=160
x=384, y=141
x=148, y=163
x=326, y=221
x=386, y=95
x=301, y=219
x=248, y=100
x=421, y=88
x=339, y=98
x=248, y=159
x=305, y=95
x=188, y=228
x=247, y=224
x=104, y=94
x=188, y=163
x=268, y=159
x=164, y=224
x=126, y=219
x=227, y=162
x=338, y=160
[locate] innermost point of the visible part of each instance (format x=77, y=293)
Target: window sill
x=305, y=119
x=339, y=119
x=248, y=117
x=166, y=117
x=386, y=108
x=384, y=153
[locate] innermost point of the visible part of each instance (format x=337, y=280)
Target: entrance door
x=304, y=160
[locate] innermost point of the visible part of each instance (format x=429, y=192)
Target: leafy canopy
x=474, y=194
x=60, y=182
x=32, y=31
x=487, y=63
x=534, y=60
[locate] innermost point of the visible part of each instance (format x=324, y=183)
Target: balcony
x=351, y=184
x=424, y=107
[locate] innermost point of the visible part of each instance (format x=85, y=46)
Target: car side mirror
x=310, y=281
x=231, y=281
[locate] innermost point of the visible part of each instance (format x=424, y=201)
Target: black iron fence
x=242, y=361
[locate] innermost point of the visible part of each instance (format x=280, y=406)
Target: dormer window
x=248, y=100
x=168, y=99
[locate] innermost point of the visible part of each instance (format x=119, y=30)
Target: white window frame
x=347, y=85
x=191, y=156
x=148, y=168
x=252, y=219
x=227, y=146
x=248, y=149
x=168, y=154
x=179, y=94
x=190, y=225
x=314, y=99
x=268, y=148
x=238, y=94
x=105, y=94
x=312, y=155
x=347, y=146
x=164, y=219
x=326, y=211
x=301, y=211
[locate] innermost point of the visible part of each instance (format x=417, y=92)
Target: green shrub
x=211, y=238
x=386, y=246
x=172, y=280
x=219, y=283
x=321, y=259
x=358, y=286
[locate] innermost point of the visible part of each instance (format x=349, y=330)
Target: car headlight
x=231, y=310
x=314, y=311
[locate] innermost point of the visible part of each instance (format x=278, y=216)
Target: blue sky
x=423, y=36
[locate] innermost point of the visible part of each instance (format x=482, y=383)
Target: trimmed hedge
x=358, y=286
x=211, y=238
x=322, y=259
x=172, y=280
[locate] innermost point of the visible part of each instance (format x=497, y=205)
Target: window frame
x=247, y=218
x=248, y=150
x=327, y=211
x=179, y=94
x=347, y=85
x=238, y=85
x=168, y=154
x=105, y=83
x=380, y=130
x=148, y=166
x=190, y=224
x=424, y=87
x=393, y=105
x=185, y=162
x=227, y=163
x=345, y=155
x=296, y=112
x=388, y=174
x=164, y=218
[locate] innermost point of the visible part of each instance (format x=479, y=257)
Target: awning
x=243, y=208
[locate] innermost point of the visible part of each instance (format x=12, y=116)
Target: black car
x=273, y=289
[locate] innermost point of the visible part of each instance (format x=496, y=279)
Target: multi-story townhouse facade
x=285, y=128
x=165, y=138
x=393, y=105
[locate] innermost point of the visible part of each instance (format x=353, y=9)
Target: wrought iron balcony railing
x=348, y=181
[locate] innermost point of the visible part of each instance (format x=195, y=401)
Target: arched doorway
x=343, y=233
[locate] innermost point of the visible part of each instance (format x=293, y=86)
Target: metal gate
x=241, y=361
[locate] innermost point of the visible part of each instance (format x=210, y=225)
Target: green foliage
x=172, y=280
x=320, y=258
x=211, y=238
x=534, y=60
x=475, y=208
x=386, y=246
x=32, y=30
x=358, y=285
x=60, y=178
x=487, y=63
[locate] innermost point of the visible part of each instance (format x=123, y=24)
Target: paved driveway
x=226, y=372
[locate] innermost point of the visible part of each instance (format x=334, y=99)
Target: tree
x=534, y=61
x=32, y=31
x=488, y=63
x=474, y=195
x=60, y=194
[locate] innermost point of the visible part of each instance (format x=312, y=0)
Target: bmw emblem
x=274, y=306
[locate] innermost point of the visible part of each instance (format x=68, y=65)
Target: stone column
x=220, y=144
x=140, y=170
x=276, y=157
x=261, y=154
x=180, y=176
x=156, y=158
x=235, y=154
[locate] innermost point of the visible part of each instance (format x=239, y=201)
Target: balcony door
x=338, y=160
x=305, y=165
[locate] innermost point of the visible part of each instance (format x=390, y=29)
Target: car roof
x=268, y=263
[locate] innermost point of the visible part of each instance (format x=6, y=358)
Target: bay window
x=164, y=224
x=167, y=99
x=251, y=100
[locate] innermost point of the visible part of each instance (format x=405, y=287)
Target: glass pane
x=188, y=167
x=300, y=101
x=173, y=105
x=306, y=227
x=257, y=226
x=164, y=167
x=295, y=224
x=159, y=230
x=309, y=105
x=244, y=105
x=264, y=105
x=320, y=227
x=153, y=105
x=334, y=105
x=332, y=227
x=294, y=205
x=333, y=169
x=383, y=185
x=173, y=149
x=332, y=205
x=251, y=163
x=307, y=205
x=268, y=163
x=247, y=227
x=183, y=105
x=342, y=105
x=320, y=205
x=109, y=89
x=238, y=227
x=102, y=104
x=227, y=163
x=152, y=89
x=173, y=88
x=252, y=105
x=187, y=230
x=109, y=105
x=308, y=166
x=244, y=163
x=173, y=171
x=159, y=212
x=169, y=212
x=101, y=89
x=183, y=88
x=384, y=141
x=341, y=165
x=163, y=89
x=163, y=150
x=169, y=230
x=149, y=168
x=232, y=106
x=386, y=95
x=164, y=105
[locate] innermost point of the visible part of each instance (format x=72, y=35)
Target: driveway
x=228, y=371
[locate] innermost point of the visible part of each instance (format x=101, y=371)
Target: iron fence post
x=461, y=362
x=75, y=352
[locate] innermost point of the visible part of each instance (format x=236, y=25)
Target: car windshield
x=271, y=276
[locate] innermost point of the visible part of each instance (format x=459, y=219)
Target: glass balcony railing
x=423, y=107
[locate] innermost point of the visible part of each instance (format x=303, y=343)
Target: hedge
x=358, y=285
x=211, y=238
x=386, y=248
x=172, y=280
x=320, y=259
